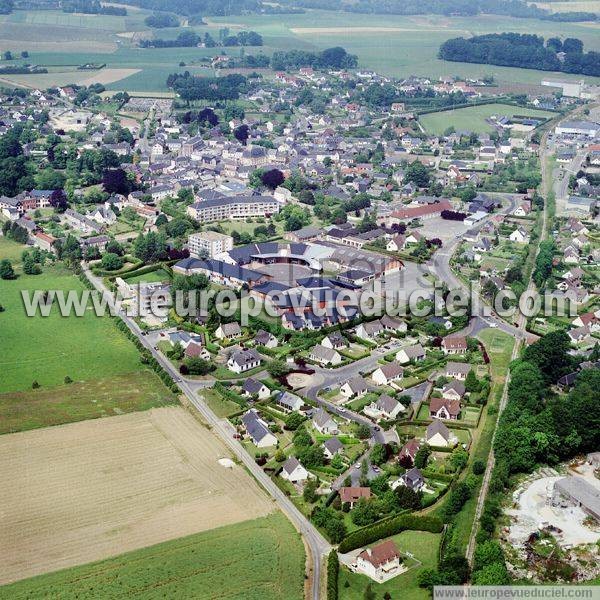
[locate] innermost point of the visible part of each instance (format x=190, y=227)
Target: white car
x=494, y=325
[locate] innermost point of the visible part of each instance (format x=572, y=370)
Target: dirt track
x=81, y=492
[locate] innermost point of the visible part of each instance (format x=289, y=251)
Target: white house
x=385, y=407
x=519, y=235
x=244, y=360
x=388, y=373
x=380, y=562
x=324, y=423
x=325, y=356
x=293, y=471
x=254, y=387
x=289, y=402
x=227, y=331
x=356, y=386
x=258, y=430
x=415, y=352
x=332, y=447
x=439, y=435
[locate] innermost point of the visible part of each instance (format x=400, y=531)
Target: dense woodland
x=523, y=51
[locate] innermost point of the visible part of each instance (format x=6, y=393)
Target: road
x=319, y=547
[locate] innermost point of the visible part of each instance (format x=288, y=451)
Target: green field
x=105, y=368
x=390, y=44
x=474, y=118
x=157, y=276
x=262, y=559
x=424, y=547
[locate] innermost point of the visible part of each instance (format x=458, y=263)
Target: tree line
x=524, y=51
x=190, y=39
x=331, y=58
x=206, y=88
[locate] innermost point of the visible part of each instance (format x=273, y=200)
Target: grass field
x=47, y=349
x=262, y=559
x=87, y=491
x=390, y=44
x=152, y=277
x=474, y=117
x=424, y=547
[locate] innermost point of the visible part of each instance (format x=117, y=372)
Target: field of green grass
x=474, y=118
x=390, y=44
x=105, y=368
x=262, y=559
x=152, y=277
x=423, y=546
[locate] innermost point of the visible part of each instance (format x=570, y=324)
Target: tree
x=114, y=247
x=6, y=269
x=115, y=181
x=362, y=431
x=273, y=178
x=572, y=46
x=111, y=262
x=277, y=368
x=407, y=498
x=30, y=267
x=150, y=248
x=198, y=366
x=310, y=491
x=242, y=133
x=494, y=574
x=418, y=174
x=379, y=454
x=364, y=512
x=294, y=421
x=58, y=200
x=471, y=382
x=478, y=467
x=422, y=456
x=487, y=553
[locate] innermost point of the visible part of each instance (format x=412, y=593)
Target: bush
x=389, y=527
x=333, y=570
x=478, y=467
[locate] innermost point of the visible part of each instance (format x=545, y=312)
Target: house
x=385, y=407
x=227, y=331
x=289, y=402
x=331, y=447
x=266, y=339
x=244, y=360
x=196, y=350
x=356, y=386
x=519, y=235
x=324, y=423
x=413, y=479
x=441, y=408
x=388, y=373
x=325, y=356
x=369, y=331
x=293, y=471
x=393, y=325
x=588, y=319
x=335, y=341
x=453, y=390
x=255, y=388
x=454, y=344
x=579, y=334
x=258, y=430
x=405, y=355
x=351, y=495
x=380, y=562
x=409, y=450
x=437, y=434
x=457, y=370
x=396, y=244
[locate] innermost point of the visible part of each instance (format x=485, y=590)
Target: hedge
x=333, y=570
x=389, y=527
x=230, y=394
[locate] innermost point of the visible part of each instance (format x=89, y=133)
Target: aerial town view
x=299, y=299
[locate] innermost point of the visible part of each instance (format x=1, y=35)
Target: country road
x=319, y=547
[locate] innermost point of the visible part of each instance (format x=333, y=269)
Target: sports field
x=474, y=118
x=390, y=44
x=91, y=490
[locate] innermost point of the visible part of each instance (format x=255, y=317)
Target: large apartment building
x=210, y=243
x=233, y=207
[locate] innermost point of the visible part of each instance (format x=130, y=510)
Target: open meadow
x=393, y=45
x=474, y=118
x=108, y=377
x=87, y=491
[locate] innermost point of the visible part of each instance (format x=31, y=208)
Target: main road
x=316, y=543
